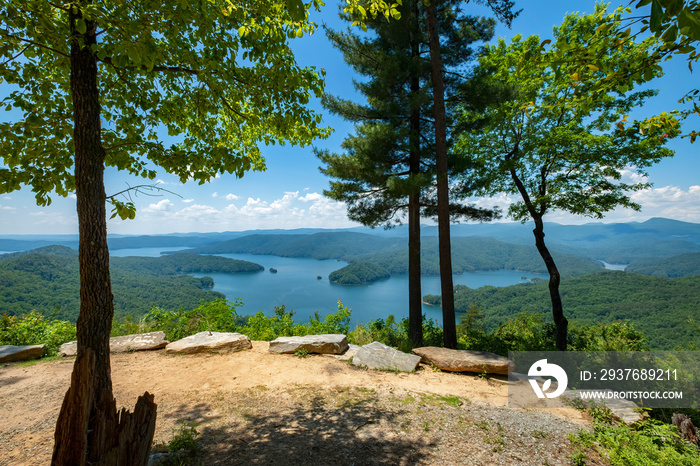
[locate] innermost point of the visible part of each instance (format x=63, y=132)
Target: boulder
x=464, y=360
x=349, y=353
x=322, y=344
x=139, y=342
x=10, y=353
x=379, y=356
x=214, y=342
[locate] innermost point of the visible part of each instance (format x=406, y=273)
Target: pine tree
x=387, y=172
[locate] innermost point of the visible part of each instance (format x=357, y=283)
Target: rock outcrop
x=464, y=360
x=349, y=353
x=214, y=342
x=379, y=356
x=9, y=353
x=321, y=344
x=625, y=410
x=137, y=342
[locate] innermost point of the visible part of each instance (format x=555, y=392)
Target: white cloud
x=159, y=181
x=311, y=197
x=310, y=209
x=231, y=197
x=7, y=208
x=215, y=194
x=630, y=176
x=668, y=201
x=160, y=206
x=73, y=196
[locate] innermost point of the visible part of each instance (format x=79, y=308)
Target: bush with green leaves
x=35, y=329
x=530, y=332
x=616, y=336
x=221, y=316
x=281, y=324
x=215, y=316
x=649, y=442
x=395, y=334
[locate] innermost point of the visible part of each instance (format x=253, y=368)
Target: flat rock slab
x=349, y=353
x=381, y=357
x=214, y=342
x=627, y=411
x=464, y=360
x=321, y=344
x=138, y=342
x=10, y=353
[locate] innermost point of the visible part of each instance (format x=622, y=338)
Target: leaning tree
x=100, y=84
x=554, y=139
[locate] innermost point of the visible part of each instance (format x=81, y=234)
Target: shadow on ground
x=314, y=431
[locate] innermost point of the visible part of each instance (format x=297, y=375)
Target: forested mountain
x=671, y=267
x=338, y=245
x=382, y=255
x=661, y=307
x=471, y=254
x=359, y=273
x=47, y=280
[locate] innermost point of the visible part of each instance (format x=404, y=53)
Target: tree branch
x=31, y=42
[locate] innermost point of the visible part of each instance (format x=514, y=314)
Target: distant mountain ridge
x=47, y=280
x=633, y=244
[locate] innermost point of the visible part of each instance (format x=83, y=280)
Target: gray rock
x=379, y=356
x=322, y=344
x=627, y=411
x=349, y=353
x=138, y=342
x=10, y=353
x=214, y=342
x=464, y=360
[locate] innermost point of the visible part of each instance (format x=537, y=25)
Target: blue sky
x=289, y=193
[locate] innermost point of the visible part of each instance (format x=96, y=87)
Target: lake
x=297, y=287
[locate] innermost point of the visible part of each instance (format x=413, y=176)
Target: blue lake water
x=297, y=287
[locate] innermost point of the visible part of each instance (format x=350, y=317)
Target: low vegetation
x=648, y=442
x=659, y=307
x=653, y=441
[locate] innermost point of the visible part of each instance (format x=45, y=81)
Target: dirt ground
x=255, y=407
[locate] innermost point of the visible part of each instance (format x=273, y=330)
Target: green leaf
x=80, y=26
x=296, y=9
x=656, y=17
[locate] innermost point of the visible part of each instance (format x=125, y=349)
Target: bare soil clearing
x=255, y=407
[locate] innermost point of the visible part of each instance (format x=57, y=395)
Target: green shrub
x=395, y=335
x=617, y=336
x=215, y=316
x=649, y=442
x=35, y=329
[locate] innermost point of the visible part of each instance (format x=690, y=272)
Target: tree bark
x=415, y=297
x=443, y=196
x=560, y=322
x=89, y=429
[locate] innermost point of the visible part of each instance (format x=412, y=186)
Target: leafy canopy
x=218, y=77
x=557, y=140
x=676, y=25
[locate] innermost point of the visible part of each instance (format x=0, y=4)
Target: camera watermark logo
x=542, y=368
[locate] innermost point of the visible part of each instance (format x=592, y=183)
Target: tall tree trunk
x=443, y=196
x=415, y=297
x=560, y=322
x=89, y=428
